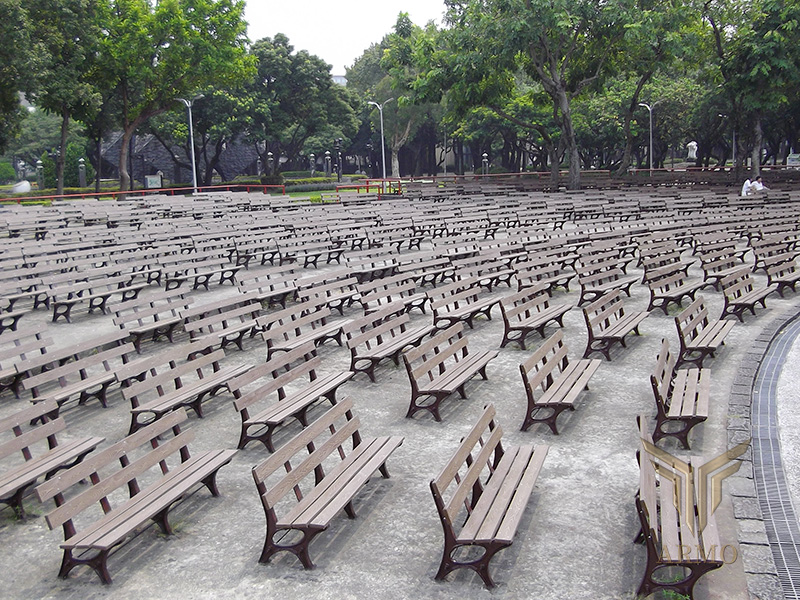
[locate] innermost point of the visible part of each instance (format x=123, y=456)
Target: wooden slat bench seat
x=256, y=245
x=309, y=248
x=490, y=269
x=179, y=377
x=485, y=488
x=88, y=377
x=598, y=279
x=224, y=322
x=381, y=335
x=699, y=336
x=337, y=290
x=95, y=292
x=781, y=274
x=426, y=267
x=398, y=291
x=673, y=538
x=460, y=302
x=560, y=381
x=322, y=477
x=200, y=268
x=529, y=310
x=41, y=454
x=741, y=294
x=156, y=316
x=670, y=285
x=284, y=376
x=155, y=468
x=274, y=286
x=607, y=323
x=535, y=270
x=372, y=264
x=719, y=265
x=296, y=325
x=681, y=395
x=440, y=367
x=17, y=346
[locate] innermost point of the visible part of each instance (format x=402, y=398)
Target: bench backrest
x=321, y=439
x=692, y=319
x=282, y=370
x=737, y=284
x=435, y=355
x=28, y=427
x=173, y=376
x=662, y=374
x=604, y=311
x=375, y=329
x=548, y=360
x=525, y=303
x=139, y=455
x=479, y=451
x=289, y=323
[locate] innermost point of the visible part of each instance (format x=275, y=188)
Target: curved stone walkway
x=769, y=533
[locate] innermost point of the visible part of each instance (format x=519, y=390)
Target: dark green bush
x=7, y=173
x=276, y=179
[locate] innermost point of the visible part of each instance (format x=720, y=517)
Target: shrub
x=276, y=179
x=7, y=173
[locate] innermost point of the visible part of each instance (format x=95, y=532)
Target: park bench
x=381, y=335
x=673, y=537
x=156, y=316
x=560, y=381
x=459, y=302
x=16, y=347
x=741, y=294
x=89, y=376
x=426, y=267
x=337, y=290
x=299, y=505
x=772, y=249
x=489, y=269
x=257, y=245
x=599, y=279
x=96, y=292
x=607, y=323
x=274, y=286
x=699, y=337
x=441, y=366
x=681, y=395
x=782, y=274
x=30, y=450
x=542, y=270
x=485, y=488
x=398, y=291
x=529, y=310
x=296, y=325
x=200, y=267
x=719, y=265
x=669, y=285
x=372, y=264
x=309, y=248
x=156, y=470
x=182, y=376
x=283, y=375
x=395, y=235
x=223, y=322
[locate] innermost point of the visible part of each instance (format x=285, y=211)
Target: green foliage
x=7, y=173
x=71, y=174
x=276, y=179
x=48, y=171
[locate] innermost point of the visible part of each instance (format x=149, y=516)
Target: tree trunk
x=60, y=158
x=758, y=139
x=99, y=168
x=124, y=176
x=574, y=178
x=395, y=160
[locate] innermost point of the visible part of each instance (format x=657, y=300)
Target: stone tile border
x=768, y=531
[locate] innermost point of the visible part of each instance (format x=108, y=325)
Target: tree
x=69, y=32
x=39, y=132
x=563, y=44
x=19, y=56
x=160, y=52
x=294, y=100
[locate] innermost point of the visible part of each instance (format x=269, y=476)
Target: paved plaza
x=575, y=539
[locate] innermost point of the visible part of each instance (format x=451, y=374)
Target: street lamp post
x=383, y=141
x=650, y=111
x=188, y=104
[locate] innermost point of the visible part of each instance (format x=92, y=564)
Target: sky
x=337, y=32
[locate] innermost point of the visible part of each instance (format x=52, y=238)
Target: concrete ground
x=574, y=542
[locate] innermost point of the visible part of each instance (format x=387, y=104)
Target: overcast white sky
x=337, y=32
